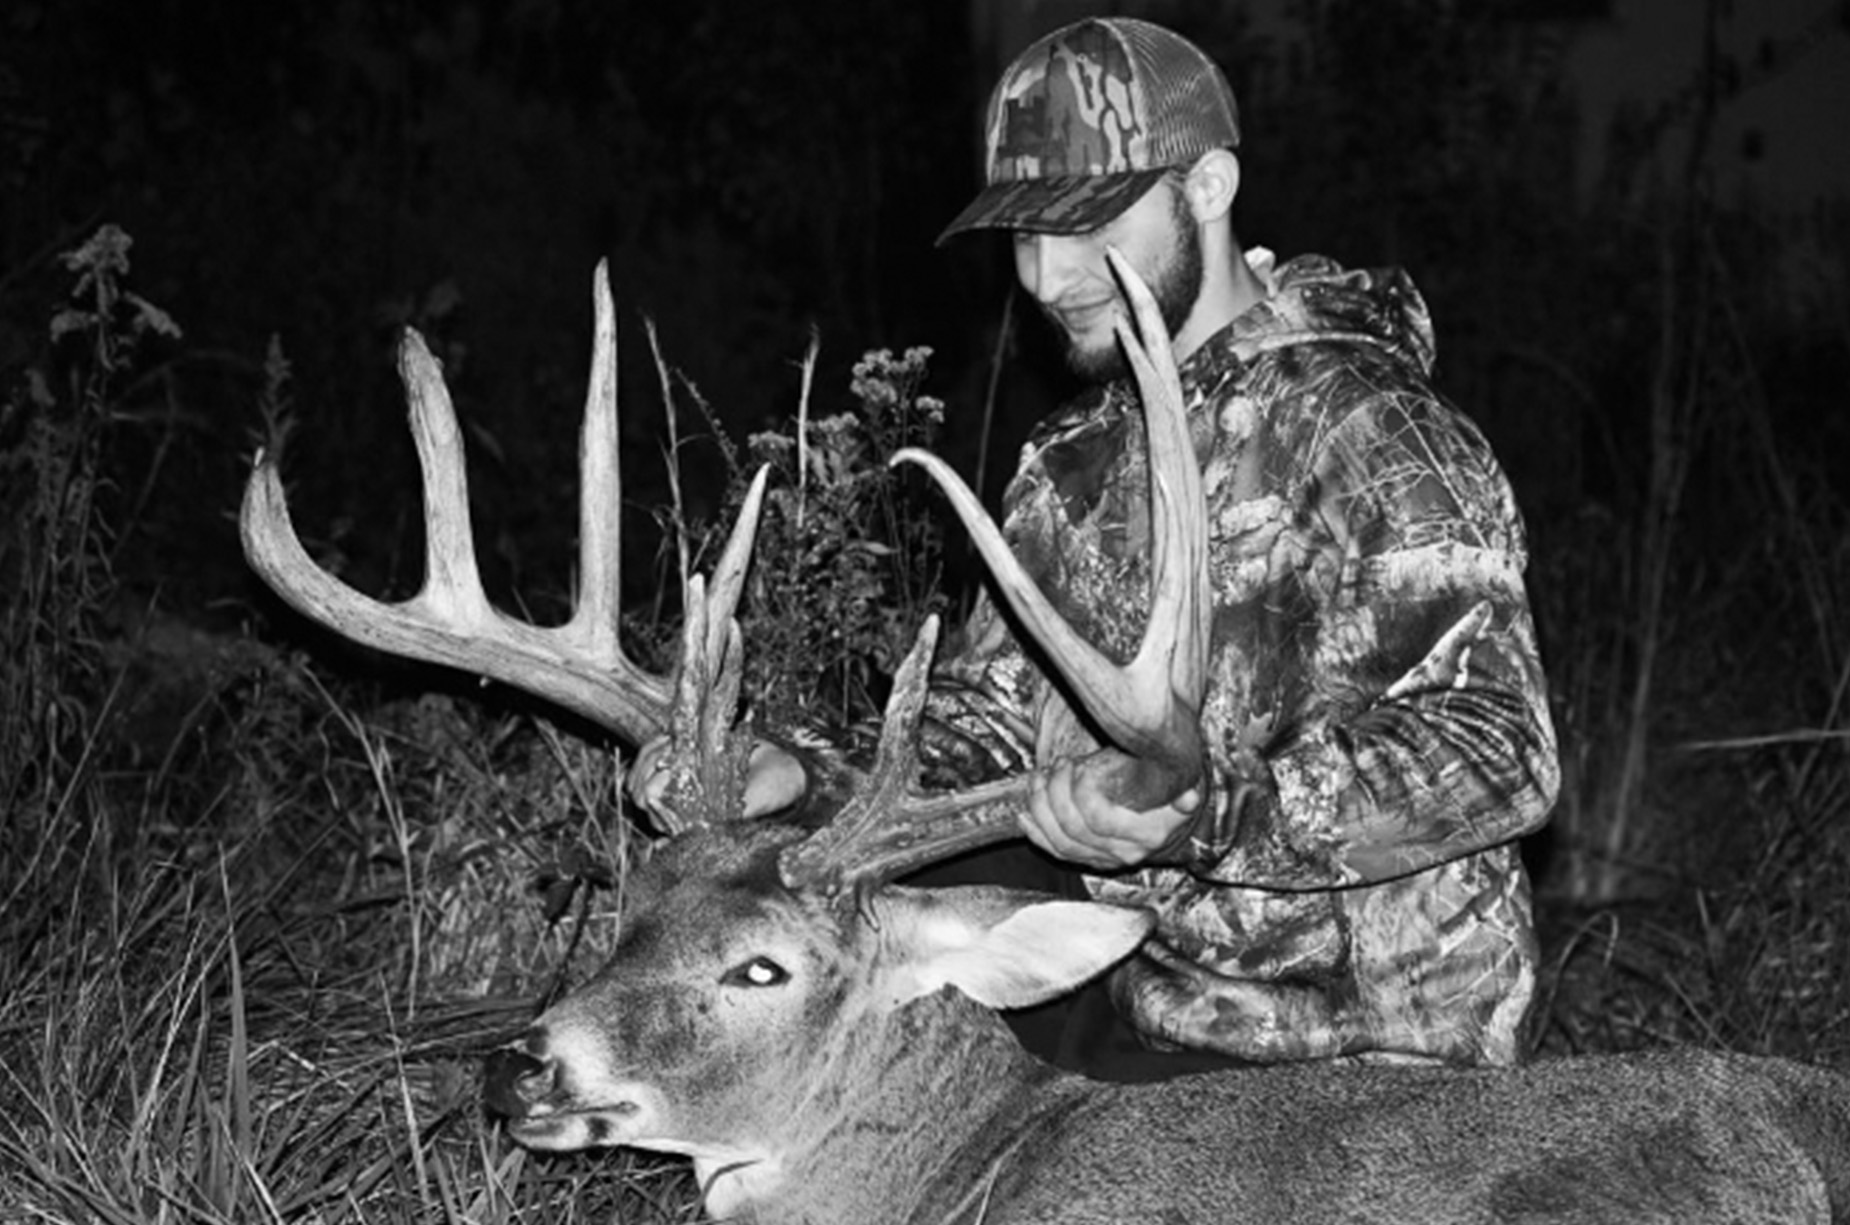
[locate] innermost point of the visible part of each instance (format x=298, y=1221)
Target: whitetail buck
x=820, y=1041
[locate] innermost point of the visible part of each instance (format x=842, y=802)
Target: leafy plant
x=55, y=540
x=847, y=560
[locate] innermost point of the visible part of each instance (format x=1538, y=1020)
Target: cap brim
x=1072, y=204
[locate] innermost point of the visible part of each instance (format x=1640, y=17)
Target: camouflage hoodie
x=1376, y=714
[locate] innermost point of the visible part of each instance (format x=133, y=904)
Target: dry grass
x=276, y=1011
x=1748, y=955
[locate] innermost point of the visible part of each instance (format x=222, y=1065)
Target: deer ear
x=1004, y=948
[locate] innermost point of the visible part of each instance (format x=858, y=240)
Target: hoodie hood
x=1313, y=298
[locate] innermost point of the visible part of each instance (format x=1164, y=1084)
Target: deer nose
x=512, y=1080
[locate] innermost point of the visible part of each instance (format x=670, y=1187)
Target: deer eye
x=758, y=972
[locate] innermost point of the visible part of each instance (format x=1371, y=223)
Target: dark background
x=1668, y=403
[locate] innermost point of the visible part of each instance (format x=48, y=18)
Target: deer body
x=826, y=1060
x=1675, y=1136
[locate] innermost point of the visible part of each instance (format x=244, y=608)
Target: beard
x=1175, y=284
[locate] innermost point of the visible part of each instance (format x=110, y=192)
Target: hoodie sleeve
x=1379, y=705
x=978, y=723
x=987, y=692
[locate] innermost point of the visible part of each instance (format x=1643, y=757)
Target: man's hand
x=1072, y=818
x=774, y=778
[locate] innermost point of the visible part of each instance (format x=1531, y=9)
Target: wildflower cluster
x=847, y=560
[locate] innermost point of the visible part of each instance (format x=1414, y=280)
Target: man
x=1348, y=885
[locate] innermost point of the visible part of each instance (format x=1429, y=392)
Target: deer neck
x=899, y=1121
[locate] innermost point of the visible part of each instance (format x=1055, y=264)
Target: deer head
x=786, y=1039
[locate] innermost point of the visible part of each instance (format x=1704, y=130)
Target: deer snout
x=513, y=1080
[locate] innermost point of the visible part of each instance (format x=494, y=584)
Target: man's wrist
x=1202, y=844
x=1191, y=844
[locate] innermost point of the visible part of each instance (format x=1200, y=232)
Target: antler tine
x=579, y=665
x=1175, y=641
x=704, y=768
x=1149, y=708
x=729, y=573
x=895, y=761
x=600, y=498
x=886, y=830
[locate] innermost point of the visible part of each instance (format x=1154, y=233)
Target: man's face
x=1068, y=277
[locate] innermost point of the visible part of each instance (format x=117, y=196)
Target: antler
x=1148, y=709
x=886, y=829
x=580, y=665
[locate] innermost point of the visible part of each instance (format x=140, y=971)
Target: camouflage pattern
x=1071, y=105
x=1377, y=717
x=1087, y=119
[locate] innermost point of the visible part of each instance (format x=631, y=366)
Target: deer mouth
x=571, y=1129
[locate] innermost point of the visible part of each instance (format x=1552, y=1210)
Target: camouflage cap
x=1088, y=118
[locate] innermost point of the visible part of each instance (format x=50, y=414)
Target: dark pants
x=1081, y=1031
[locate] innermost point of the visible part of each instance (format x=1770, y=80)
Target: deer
x=823, y=1042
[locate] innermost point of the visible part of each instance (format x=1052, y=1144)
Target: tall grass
x=1683, y=610
x=225, y=1037
x=1700, y=650
x=278, y=1015
x=247, y=977
x=1696, y=889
